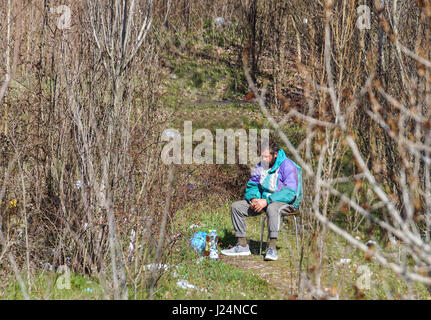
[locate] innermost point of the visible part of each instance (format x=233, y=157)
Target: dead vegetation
x=81, y=179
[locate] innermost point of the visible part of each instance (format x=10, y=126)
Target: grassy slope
x=193, y=79
x=251, y=278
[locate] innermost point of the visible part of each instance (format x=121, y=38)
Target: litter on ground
x=184, y=284
x=153, y=266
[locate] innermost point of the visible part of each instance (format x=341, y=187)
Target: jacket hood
x=281, y=156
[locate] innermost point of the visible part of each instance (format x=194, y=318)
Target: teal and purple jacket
x=281, y=183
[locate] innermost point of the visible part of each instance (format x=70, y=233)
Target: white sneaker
x=237, y=251
x=271, y=254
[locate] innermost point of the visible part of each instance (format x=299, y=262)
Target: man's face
x=268, y=159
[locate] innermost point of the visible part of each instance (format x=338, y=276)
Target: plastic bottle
x=213, y=245
x=208, y=244
x=213, y=254
x=214, y=238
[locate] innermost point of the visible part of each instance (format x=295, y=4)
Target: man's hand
x=253, y=203
x=258, y=205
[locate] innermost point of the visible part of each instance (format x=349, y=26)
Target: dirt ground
x=282, y=280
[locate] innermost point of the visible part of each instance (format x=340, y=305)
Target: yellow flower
x=12, y=204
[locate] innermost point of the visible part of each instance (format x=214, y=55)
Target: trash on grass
x=221, y=22
x=345, y=261
x=211, y=245
x=153, y=266
x=78, y=184
x=197, y=242
x=47, y=266
x=184, y=284
x=205, y=243
x=214, y=255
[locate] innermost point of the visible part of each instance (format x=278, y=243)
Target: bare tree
x=406, y=218
x=119, y=29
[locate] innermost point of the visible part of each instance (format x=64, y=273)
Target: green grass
x=222, y=281
x=199, y=80
x=213, y=280
x=227, y=282
x=49, y=285
x=218, y=279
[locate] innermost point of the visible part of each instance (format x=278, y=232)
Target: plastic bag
x=197, y=242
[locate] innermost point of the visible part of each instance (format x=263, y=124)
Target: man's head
x=269, y=154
